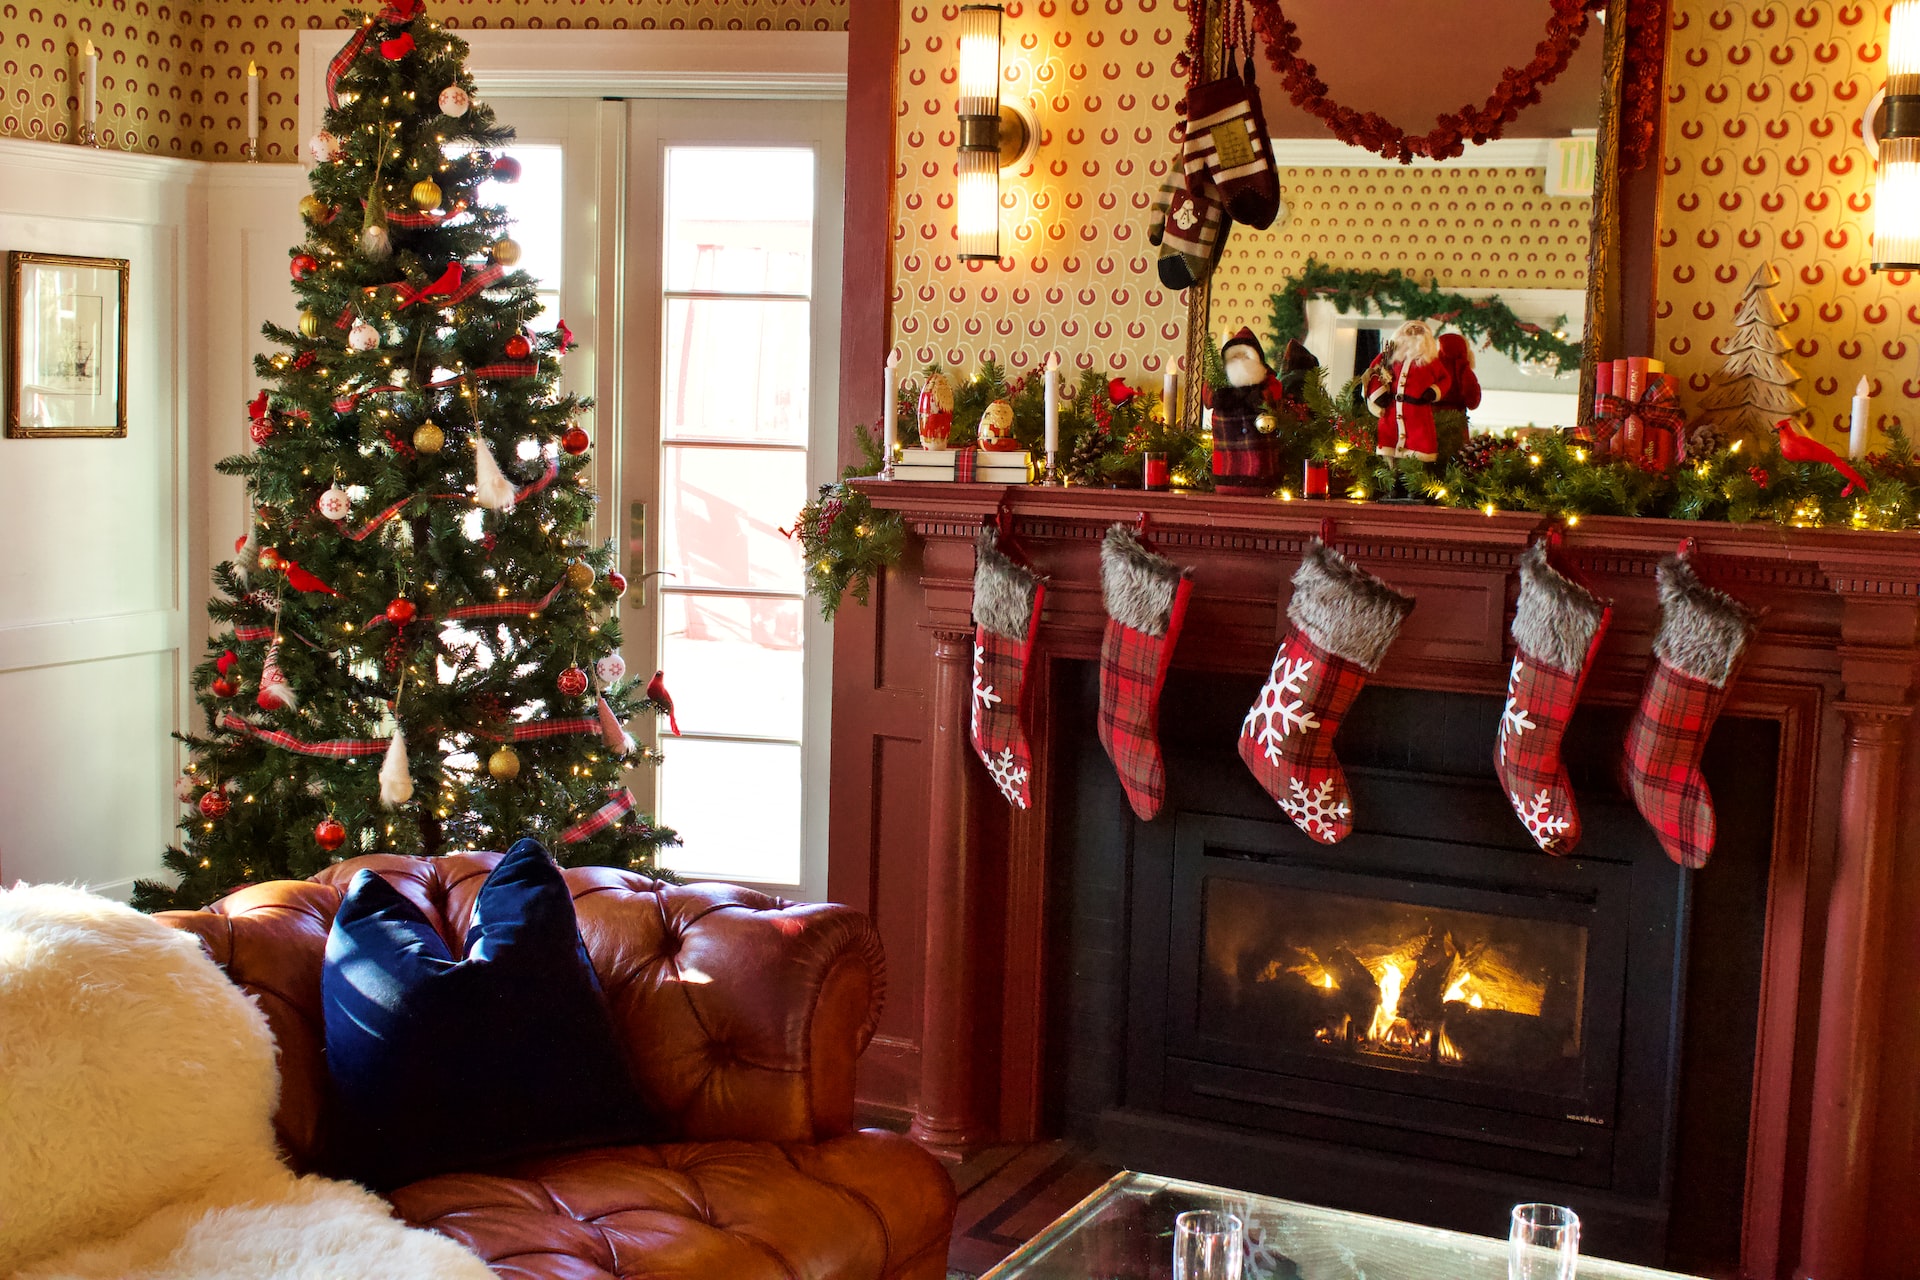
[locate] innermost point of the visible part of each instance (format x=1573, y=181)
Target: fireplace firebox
x=1432, y=1019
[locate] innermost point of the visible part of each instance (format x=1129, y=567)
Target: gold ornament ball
x=506, y=253
x=427, y=438
x=504, y=764
x=311, y=208
x=309, y=324
x=426, y=193
x=1265, y=424
x=580, y=575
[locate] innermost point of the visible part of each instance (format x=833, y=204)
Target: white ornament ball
x=335, y=504
x=186, y=789
x=454, y=101
x=324, y=147
x=611, y=669
x=363, y=336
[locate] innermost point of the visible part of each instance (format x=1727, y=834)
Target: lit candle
x=1169, y=391
x=890, y=412
x=253, y=110
x=1857, y=435
x=1053, y=405
x=92, y=113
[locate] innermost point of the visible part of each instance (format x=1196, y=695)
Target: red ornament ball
x=302, y=265
x=215, y=804
x=260, y=430
x=506, y=169
x=618, y=581
x=518, y=348
x=572, y=682
x=223, y=687
x=401, y=612
x=575, y=440
x=269, y=559
x=330, y=834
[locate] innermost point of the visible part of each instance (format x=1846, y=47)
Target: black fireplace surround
x=1431, y=1020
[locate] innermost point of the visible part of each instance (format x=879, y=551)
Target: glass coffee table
x=1124, y=1231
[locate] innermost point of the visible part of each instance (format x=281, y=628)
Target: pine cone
x=1706, y=439
x=1479, y=451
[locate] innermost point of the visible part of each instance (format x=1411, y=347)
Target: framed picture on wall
x=66, y=340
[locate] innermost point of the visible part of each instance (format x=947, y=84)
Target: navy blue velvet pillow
x=442, y=1065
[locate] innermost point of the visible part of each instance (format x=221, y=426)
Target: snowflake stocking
x=1006, y=613
x=1146, y=599
x=1556, y=632
x=1344, y=619
x=1703, y=634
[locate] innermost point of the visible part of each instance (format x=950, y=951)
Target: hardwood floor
x=1010, y=1194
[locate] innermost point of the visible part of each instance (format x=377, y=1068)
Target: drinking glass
x=1207, y=1245
x=1544, y=1243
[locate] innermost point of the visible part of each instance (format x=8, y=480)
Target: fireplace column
x=1852, y=986
x=947, y=1116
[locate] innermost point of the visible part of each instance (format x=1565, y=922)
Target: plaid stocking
x=1146, y=598
x=1703, y=634
x=1192, y=236
x=1162, y=200
x=1343, y=620
x=1227, y=145
x=1006, y=613
x=1556, y=632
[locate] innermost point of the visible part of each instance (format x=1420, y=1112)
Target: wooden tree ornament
x=1755, y=386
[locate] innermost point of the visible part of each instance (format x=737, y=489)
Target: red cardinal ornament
x=657, y=692
x=330, y=834
x=300, y=579
x=1795, y=447
x=224, y=663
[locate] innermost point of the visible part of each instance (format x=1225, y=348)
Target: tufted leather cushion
x=741, y=1016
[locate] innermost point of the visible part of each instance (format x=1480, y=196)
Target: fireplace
x=1430, y=1020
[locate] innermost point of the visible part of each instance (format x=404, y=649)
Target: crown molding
x=1331, y=153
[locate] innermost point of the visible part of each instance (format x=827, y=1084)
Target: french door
x=694, y=250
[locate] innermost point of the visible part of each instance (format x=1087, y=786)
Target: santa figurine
x=1461, y=397
x=1245, y=457
x=1404, y=385
x=936, y=412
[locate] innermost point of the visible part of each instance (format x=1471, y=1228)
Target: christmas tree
x=1754, y=388
x=414, y=649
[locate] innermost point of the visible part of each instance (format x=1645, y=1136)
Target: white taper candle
x=890, y=411
x=253, y=110
x=1053, y=404
x=92, y=114
x=1857, y=434
x=1170, y=392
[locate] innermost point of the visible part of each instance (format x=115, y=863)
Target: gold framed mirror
x=1514, y=233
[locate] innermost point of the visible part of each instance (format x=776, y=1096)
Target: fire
x=1391, y=983
x=1458, y=992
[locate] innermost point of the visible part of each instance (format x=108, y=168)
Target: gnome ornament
x=1146, y=599
x=1557, y=629
x=1245, y=458
x=1006, y=613
x=1703, y=635
x=1403, y=386
x=1344, y=620
x=936, y=412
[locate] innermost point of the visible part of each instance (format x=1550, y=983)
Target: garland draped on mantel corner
x=1488, y=321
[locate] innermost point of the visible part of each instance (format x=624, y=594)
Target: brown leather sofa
x=742, y=1016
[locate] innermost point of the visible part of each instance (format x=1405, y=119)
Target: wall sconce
x=993, y=135
x=1892, y=132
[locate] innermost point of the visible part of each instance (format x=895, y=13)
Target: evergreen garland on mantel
x=1488, y=321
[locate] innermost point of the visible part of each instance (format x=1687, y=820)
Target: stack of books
x=965, y=466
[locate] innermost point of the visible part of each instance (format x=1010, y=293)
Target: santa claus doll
x=1462, y=395
x=1245, y=457
x=1403, y=386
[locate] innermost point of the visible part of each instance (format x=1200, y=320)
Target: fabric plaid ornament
x=1227, y=147
x=1557, y=630
x=1146, y=599
x=1703, y=635
x=1006, y=613
x=1192, y=236
x=1344, y=620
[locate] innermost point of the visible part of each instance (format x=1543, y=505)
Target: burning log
x=1421, y=1001
x=1355, y=994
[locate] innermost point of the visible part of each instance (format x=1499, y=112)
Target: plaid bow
x=396, y=13
x=1656, y=408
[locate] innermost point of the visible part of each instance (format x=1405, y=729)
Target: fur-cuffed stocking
x=1146, y=599
x=1007, y=597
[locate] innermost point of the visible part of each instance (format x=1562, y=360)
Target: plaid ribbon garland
x=501, y=609
x=508, y=369
x=250, y=634
x=491, y=373
x=600, y=819
x=337, y=749
x=535, y=730
x=420, y=221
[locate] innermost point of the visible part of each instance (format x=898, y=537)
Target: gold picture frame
x=66, y=333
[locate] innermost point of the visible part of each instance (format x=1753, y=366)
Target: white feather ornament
x=491, y=488
x=396, y=784
x=247, y=554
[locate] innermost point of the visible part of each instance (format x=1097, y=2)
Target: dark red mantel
x=959, y=882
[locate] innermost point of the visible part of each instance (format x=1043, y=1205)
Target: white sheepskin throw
x=137, y=1090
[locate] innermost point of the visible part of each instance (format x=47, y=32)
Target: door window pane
x=537, y=205
x=723, y=512
x=735, y=663
x=736, y=806
x=739, y=220
x=737, y=370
